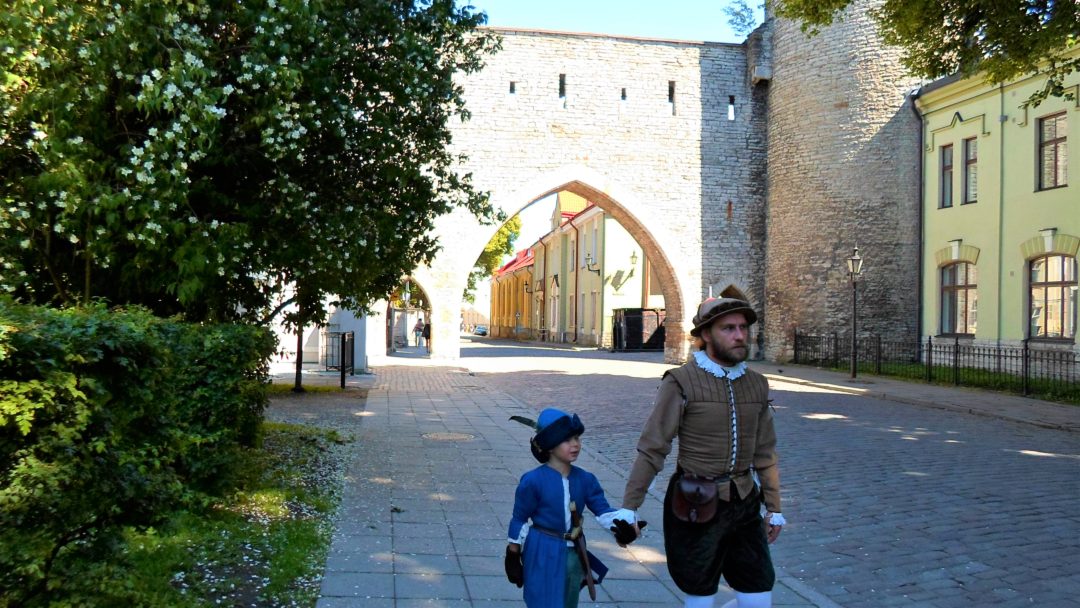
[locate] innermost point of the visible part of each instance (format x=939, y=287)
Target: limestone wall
x=754, y=166
x=842, y=170
x=642, y=128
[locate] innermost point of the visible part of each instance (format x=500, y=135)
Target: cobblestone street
x=889, y=504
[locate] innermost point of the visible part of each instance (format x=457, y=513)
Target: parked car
x=480, y=330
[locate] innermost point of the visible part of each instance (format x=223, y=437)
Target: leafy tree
x=203, y=156
x=741, y=16
x=500, y=246
x=1004, y=40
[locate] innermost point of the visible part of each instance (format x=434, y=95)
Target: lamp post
x=590, y=264
x=854, y=265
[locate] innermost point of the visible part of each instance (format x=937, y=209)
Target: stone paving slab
x=860, y=536
x=1002, y=406
x=428, y=498
x=889, y=501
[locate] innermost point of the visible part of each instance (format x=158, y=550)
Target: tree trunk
x=297, y=387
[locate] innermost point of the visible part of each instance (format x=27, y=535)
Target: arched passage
x=406, y=312
x=463, y=240
x=664, y=136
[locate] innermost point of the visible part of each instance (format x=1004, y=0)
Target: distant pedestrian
x=418, y=330
x=546, y=553
x=426, y=333
x=726, y=466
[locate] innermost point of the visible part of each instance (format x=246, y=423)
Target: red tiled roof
x=588, y=205
x=522, y=259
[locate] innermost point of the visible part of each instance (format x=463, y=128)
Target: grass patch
x=263, y=544
x=281, y=389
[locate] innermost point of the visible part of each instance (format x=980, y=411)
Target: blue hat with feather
x=553, y=427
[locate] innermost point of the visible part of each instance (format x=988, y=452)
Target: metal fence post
x=877, y=354
x=956, y=361
x=347, y=355
x=1027, y=368
x=836, y=349
x=341, y=356
x=929, y=358
x=796, y=346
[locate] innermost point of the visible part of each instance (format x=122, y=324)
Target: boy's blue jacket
x=540, y=497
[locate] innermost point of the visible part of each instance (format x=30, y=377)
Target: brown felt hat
x=714, y=308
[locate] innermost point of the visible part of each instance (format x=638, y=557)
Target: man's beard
x=729, y=356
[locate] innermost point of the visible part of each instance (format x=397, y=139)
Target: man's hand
x=771, y=532
x=627, y=533
x=515, y=572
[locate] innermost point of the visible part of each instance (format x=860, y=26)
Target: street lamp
x=590, y=264
x=854, y=266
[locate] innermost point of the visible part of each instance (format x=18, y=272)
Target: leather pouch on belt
x=695, y=499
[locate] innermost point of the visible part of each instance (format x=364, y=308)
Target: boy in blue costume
x=546, y=549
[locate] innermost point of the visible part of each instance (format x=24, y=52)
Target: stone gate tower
x=843, y=170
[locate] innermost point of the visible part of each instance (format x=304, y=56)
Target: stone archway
x=665, y=136
x=462, y=242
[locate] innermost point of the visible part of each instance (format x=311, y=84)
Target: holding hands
x=626, y=533
x=774, y=523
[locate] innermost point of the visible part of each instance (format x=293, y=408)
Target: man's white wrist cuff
x=626, y=515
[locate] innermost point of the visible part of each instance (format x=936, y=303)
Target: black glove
x=515, y=573
x=624, y=531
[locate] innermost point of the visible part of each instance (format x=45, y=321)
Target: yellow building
x=1001, y=220
x=580, y=273
x=511, y=306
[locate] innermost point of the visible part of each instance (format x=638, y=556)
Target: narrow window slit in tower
x=562, y=86
x=513, y=87
x=623, y=95
x=671, y=95
x=731, y=107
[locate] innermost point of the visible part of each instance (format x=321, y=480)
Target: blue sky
x=675, y=19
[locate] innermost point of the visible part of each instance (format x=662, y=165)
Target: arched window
x=959, y=299
x=1052, y=305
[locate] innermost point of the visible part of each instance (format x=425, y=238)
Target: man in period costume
x=726, y=464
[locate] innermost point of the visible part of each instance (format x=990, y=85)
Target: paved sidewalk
x=1003, y=406
x=428, y=498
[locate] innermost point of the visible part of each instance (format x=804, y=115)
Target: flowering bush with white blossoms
x=198, y=156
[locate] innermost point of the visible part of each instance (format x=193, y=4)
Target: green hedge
x=109, y=419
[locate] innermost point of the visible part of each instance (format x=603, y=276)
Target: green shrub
x=222, y=371
x=108, y=419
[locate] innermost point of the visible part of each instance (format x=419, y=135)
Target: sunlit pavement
x=895, y=494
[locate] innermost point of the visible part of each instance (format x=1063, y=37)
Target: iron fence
x=1053, y=374
x=339, y=352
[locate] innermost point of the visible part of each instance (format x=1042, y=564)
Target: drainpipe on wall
x=919, y=219
x=601, y=253
x=543, y=291
x=577, y=275
x=1001, y=215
